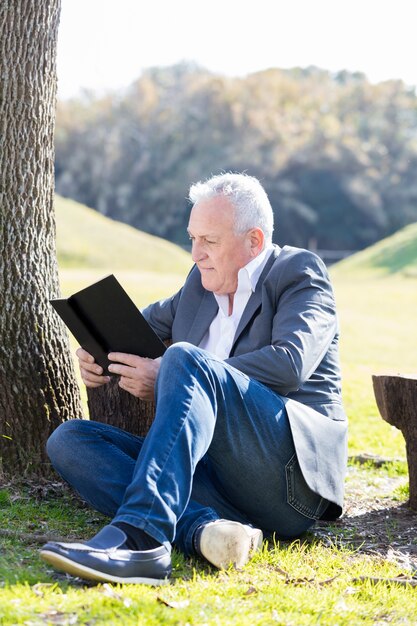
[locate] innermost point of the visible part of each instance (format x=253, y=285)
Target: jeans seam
x=103, y=426
x=112, y=445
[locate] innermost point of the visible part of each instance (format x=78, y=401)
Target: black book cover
x=104, y=319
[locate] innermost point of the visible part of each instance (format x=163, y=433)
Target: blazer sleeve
x=303, y=326
x=160, y=315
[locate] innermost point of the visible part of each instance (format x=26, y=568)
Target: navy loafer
x=104, y=559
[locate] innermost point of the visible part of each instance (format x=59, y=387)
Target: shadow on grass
x=389, y=532
x=382, y=532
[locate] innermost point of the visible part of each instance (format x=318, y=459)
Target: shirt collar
x=247, y=278
x=254, y=268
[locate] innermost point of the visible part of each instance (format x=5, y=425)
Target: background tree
x=336, y=154
x=37, y=384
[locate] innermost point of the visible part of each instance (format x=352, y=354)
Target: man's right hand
x=91, y=372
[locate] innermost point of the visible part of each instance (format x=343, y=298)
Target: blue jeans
x=220, y=446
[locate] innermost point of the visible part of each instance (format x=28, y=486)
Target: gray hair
x=248, y=197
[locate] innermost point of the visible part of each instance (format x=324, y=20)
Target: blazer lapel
x=204, y=316
x=255, y=300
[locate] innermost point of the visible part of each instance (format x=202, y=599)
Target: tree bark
x=38, y=389
x=396, y=398
x=111, y=405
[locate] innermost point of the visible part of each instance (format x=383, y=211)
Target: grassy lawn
x=339, y=574
x=378, y=336
x=311, y=581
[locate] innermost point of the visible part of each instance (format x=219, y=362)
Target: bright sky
x=105, y=44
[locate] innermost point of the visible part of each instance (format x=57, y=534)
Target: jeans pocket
x=299, y=494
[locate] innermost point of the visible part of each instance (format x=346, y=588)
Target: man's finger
x=125, y=383
x=83, y=355
x=123, y=370
x=127, y=359
x=93, y=368
x=89, y=376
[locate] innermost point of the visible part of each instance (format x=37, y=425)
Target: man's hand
x=137, y=374
x=91, y=372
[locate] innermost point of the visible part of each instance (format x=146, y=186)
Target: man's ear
x=257, y=240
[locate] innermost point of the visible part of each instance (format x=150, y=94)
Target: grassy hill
x=396, y=254
x=376, y=295
x=91, y=246
x=86, y=239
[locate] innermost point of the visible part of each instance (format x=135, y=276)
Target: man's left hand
x=137, y=374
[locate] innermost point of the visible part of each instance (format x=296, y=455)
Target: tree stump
x=111, y=405
x=396, y=398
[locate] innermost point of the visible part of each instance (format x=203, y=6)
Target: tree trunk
x=396, y=398
x=111, y=405
x=37, y=384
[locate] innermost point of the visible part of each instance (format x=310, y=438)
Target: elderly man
x=249, y=432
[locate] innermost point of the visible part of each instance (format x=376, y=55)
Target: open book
x=104, y=319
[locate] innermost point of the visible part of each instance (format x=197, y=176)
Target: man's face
x=216, y=249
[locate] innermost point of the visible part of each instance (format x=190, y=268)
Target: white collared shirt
x=219, y=338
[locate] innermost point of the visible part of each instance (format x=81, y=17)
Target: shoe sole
x=236, y=548
x=82, y=571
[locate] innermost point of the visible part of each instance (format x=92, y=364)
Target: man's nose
x=197, y=253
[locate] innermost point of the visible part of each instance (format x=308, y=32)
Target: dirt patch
x=374, y=521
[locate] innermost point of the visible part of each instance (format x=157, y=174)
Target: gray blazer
x=287, y=339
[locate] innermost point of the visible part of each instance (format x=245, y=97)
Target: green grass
x=396, y=254
x=86, y=239
x=303, y=582
x=378, y=336
x=376, y=294
x=316, y=580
